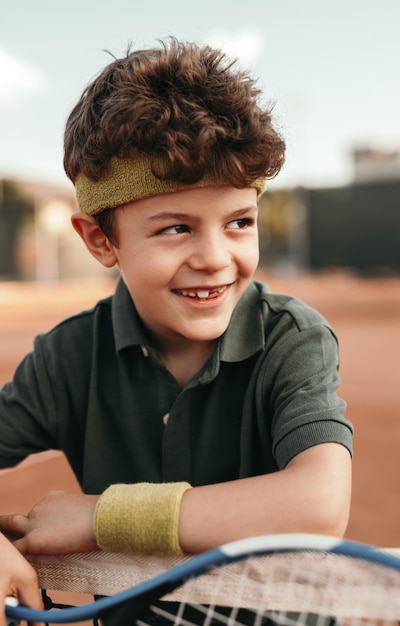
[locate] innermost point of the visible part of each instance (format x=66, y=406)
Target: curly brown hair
x=183, y=101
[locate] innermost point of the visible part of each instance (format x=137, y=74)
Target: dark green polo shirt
x=94, y=388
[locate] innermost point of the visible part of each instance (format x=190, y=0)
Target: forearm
x=312, y=495
x=300, y=498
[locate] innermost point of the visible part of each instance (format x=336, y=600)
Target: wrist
x=141, y=517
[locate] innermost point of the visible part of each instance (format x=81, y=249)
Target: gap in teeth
x=202, y=294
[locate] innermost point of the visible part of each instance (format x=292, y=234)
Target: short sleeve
x=302, y=381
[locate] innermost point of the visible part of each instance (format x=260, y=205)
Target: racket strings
x=308, y=589
x=299, y=586
x=202, y=615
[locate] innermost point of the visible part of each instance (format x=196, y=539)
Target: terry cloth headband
x=129, y=179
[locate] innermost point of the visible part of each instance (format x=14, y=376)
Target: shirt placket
x=176, y=460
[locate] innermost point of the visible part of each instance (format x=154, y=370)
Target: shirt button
x=165, y=419
x=145, y=351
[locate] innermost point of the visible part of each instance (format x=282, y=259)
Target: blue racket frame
x=156, y=587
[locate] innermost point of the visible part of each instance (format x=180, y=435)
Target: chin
x=206, y=335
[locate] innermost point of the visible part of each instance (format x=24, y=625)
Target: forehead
x=194, y=202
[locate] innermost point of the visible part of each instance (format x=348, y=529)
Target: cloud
x=245, y=45
x=17, y=79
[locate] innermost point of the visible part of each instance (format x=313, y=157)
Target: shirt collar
x=245, y=333
x=243, y=337
x=128, y=328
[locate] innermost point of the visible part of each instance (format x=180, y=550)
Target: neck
x=185, y=360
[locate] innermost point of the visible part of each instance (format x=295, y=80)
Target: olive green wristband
x=141, y=517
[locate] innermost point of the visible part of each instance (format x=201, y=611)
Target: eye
x=244, y=222
x=177, y=229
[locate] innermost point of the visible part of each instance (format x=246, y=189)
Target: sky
x=330, y=68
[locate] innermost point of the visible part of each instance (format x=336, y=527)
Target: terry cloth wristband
x=132, y=178
x=141, y=517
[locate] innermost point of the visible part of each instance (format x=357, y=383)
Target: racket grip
x=11, y=601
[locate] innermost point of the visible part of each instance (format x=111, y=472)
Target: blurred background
x=329, y=69
x=329, y=223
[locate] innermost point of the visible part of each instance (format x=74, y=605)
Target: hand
x=17, y=578
x=61, y=523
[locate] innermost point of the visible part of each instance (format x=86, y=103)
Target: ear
x=94, y=239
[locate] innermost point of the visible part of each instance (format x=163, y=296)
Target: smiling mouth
x=201, y=294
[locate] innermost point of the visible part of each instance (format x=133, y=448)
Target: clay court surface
x=366, y=316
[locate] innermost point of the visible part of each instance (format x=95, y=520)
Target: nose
x=210, y=253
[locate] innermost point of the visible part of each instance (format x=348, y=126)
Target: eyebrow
x=167, y=215
x=182, y=217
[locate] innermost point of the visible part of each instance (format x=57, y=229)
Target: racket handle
x=11, y=601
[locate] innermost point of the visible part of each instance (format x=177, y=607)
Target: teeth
x=202, y=294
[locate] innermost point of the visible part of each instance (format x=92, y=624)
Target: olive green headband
x=131, y=179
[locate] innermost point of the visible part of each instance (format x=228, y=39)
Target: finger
x=3, y=595
x=30, y=595
x=25, y=590
x=34, y=601
x=6, y=599
x=14, y=622
x=22, y=545
x=39, y=542
x=13, y=524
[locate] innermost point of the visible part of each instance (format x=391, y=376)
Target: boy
x=201, y=407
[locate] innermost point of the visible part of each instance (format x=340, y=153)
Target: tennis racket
x=287, y=580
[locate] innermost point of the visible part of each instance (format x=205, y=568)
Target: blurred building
x=357, y=227
x=37, y=241
x=354, y=227
x=15, y=209
x=373, y=165
x=283, y=231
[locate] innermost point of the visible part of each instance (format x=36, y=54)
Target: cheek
x=251, y=258
x=146, y=270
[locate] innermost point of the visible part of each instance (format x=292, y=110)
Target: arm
x=311, y=494
x=17, y=578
